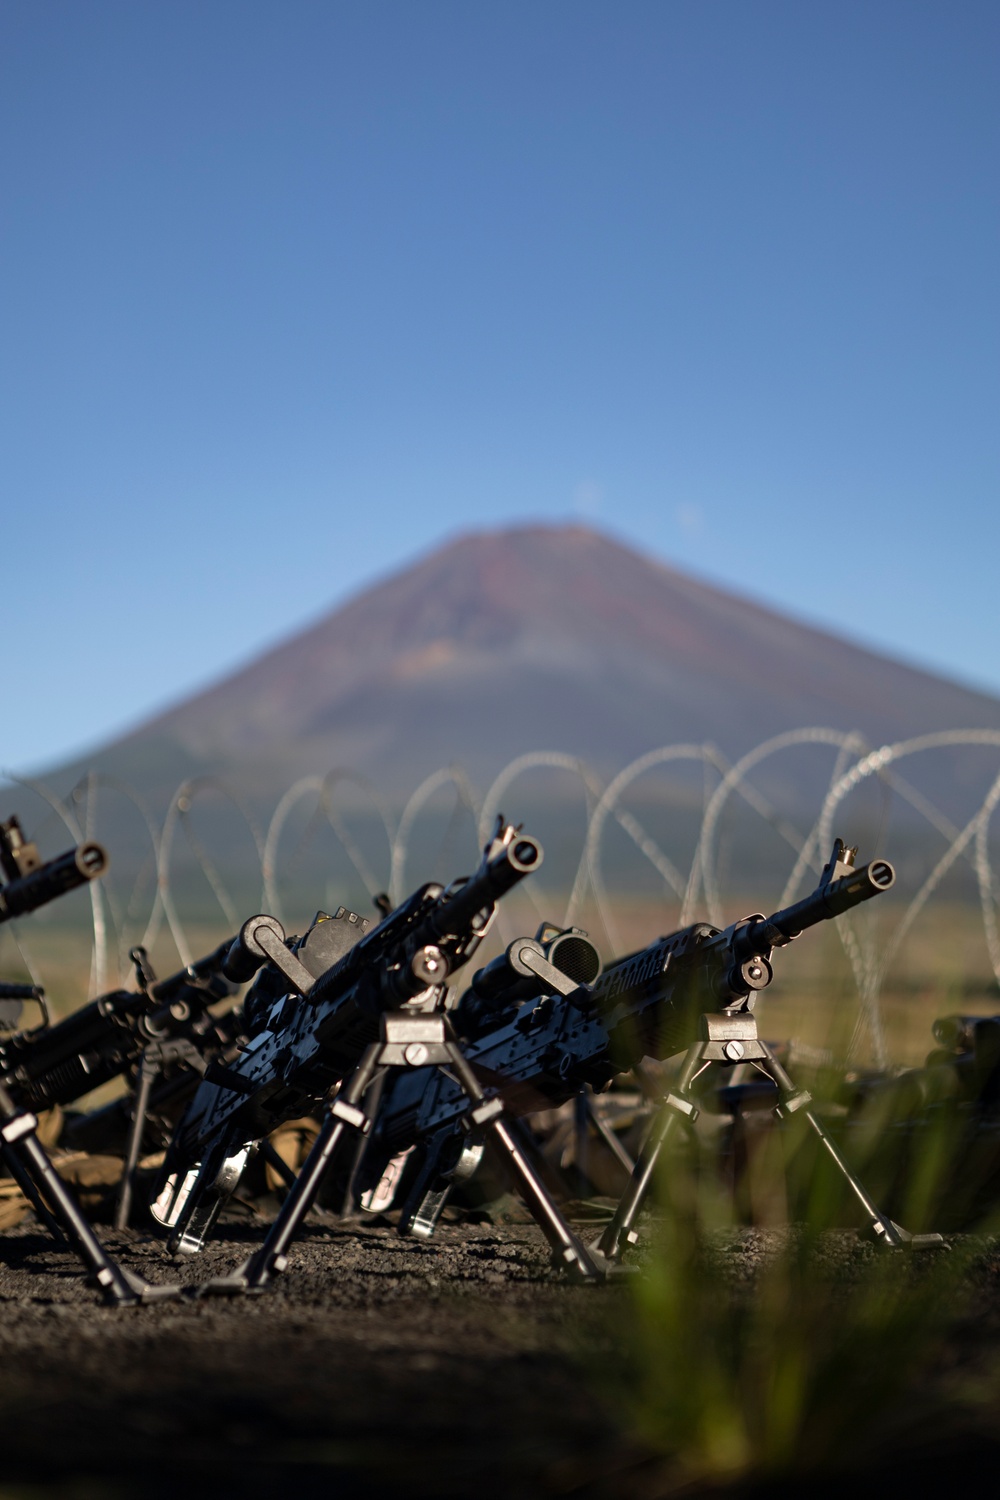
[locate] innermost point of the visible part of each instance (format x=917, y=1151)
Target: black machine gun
x=28, y=884
x=947, y=1110
x=693, y=991
x=163, y=1027
x=377, y=1008
x=56, y=1064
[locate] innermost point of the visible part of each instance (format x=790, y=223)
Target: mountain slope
x=552, y=637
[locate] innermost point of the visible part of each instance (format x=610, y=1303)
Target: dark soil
x=375, y=1367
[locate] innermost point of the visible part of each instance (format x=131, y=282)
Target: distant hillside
x=539, y=636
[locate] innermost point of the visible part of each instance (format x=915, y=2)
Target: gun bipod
x=23, y=1151
x=155, y=1056
x=730, y=1038
x=411, y=1041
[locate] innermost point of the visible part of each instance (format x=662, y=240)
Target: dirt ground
x=375, y=1367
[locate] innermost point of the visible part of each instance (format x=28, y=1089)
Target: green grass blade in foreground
x=785, y=1350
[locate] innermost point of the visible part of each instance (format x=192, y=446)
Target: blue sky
x=293, y=291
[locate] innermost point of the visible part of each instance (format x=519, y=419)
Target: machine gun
x=163, y=1027
x=946, y=1112
x=692, y=991
x=28, y=883
x=379, y=1007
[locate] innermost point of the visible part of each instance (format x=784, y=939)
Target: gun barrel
x=964, y=1033
x=826, y=902
x=18, y=991
x=519, y=858
x=198, y=973
x=74, y=868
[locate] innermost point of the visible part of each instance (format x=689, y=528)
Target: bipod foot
x=889, y=1235
x=121, y=1288
x=588, y=1265
x=236, y=1284
x=608, y=1268
x=248, y=1280
x=578, y=1263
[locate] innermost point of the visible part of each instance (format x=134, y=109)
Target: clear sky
x=295, y=290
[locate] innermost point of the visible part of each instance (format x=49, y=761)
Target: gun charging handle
x=248, y=953
x=261, y=940
x=530, y=966
x=74, y=868
x=555, y=961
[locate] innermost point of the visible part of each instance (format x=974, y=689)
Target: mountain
x=553, y=637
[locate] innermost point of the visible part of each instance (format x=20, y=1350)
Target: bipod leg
x=342, y=1114
x=34, y=1197
x=373, y=1098
x=607, y=1135
x=581, y=1142
x=119, y=1288
x=277, y=1163
x=487, y=1115
x=621, y=1233
x=149, y=1070
x=882, y=1229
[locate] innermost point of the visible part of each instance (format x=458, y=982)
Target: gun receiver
x=31, y=884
